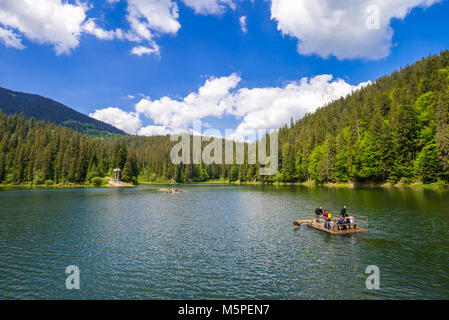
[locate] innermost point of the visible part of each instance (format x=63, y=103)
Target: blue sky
x=203, y=42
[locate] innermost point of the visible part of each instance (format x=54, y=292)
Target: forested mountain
x=41, y=108
x=394, y=130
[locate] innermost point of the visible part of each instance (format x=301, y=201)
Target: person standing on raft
x=318, y=213
x=343, y=212
x=327, y=217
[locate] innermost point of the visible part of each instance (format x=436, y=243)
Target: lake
x=221, y=242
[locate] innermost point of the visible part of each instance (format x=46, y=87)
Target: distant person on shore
x=327, y=217
x=343, y=212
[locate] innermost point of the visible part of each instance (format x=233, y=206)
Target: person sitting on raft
x=342, y=223
x=327, y=217
x=350, y=221
x=318, y=213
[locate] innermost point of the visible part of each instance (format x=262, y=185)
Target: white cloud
x=270, y=108
x=60, y=23
x=346, y=28
x=45, y=21
x=91, y=27
x=10, y=39
x=126, y=121
x=258, y=108
x=255, y=108
x=145, y=16
x=154, y=131
x=210, y=100
x=209, y=6
x=141, y=50
x=243, y=25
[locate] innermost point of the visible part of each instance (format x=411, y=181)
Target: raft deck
x=360, y=225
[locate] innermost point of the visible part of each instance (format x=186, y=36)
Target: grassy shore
x=106, y=183
x=48, y=186
x=310, y=183
x=352, y=185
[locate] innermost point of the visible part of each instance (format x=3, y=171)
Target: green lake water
x=221, y=242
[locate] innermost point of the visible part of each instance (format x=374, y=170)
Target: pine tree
x=234, y=175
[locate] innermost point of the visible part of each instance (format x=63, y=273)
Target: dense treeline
x=36, y=152
x=395, y=130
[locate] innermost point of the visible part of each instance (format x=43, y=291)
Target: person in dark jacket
x=343, y=212
x=318, y=213
x=342, y=224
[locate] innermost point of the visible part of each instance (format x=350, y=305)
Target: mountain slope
x=41, y=108
x=395, y=130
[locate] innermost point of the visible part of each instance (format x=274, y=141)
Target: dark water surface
x=220, y=242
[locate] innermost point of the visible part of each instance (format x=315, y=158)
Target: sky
x=154, y=66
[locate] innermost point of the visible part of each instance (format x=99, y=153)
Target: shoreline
x=349, y=185
x=310, y=183
x=352, y=185
x=65, y=186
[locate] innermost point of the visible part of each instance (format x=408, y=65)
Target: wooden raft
x=361, y=226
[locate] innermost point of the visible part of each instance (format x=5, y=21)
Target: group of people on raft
x=345, y=221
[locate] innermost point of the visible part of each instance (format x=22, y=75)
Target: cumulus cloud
x=269, y=108
x=243, y=25
x=45, y=21
x=61, y=24
x=10, y=39
x=210, y=100
x=346, y=28
x=154, y=131
x=141, y=50
x=127, y=121
x=92, y=28
x=209, y=6
x=147, y=19
x=255, y=108
x=147, y=15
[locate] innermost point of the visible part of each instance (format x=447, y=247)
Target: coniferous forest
x=394, y=130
